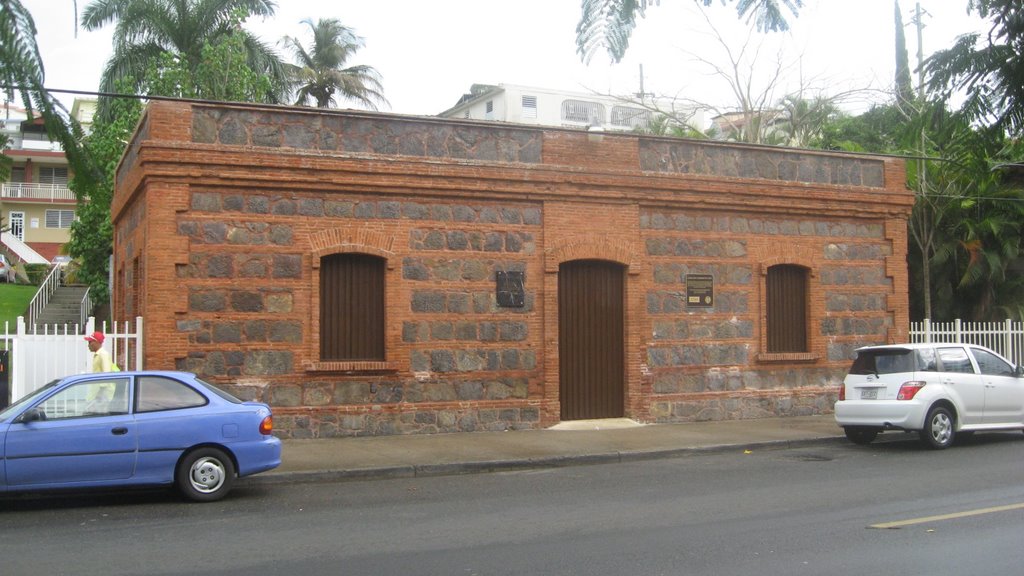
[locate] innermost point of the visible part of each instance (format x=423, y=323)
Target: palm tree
x=320, y=73
x=608, y=24
x=21, y=73
x=802, y=119
x=146, y=29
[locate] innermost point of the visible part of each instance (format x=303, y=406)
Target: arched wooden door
x=591, y=339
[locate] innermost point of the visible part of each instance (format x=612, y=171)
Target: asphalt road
x=808, y=510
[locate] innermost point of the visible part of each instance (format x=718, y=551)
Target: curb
x=490, y=466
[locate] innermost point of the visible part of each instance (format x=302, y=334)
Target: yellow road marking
x=941, y=517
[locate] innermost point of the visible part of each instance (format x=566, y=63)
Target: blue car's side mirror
x=31, y=415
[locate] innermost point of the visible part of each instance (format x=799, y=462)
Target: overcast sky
x=429, y=52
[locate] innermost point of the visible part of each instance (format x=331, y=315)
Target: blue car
x=134, y=429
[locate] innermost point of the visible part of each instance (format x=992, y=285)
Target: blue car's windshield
x=10, y=410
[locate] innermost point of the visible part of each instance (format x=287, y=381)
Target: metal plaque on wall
x=511, y=289
x=700, y=290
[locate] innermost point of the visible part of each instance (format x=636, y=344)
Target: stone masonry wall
x=222, y=214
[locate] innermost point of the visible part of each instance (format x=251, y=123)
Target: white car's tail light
x=842, y=391
x=910, y=389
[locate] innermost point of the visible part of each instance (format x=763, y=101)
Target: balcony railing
x=33, y=191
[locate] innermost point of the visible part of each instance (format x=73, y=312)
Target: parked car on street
x=937, y=390
x=134, y=429
x=6, y=271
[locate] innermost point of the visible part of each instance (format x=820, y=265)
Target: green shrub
x=36, y=273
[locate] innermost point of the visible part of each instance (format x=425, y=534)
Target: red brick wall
x=225, y=211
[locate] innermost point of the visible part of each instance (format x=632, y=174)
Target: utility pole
x=920, y=50
x=641, y=94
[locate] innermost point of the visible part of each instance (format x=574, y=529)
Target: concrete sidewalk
x=568, y=444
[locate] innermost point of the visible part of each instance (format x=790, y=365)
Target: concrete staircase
x=65, y=307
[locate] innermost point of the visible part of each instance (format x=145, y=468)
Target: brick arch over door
x=339, y=240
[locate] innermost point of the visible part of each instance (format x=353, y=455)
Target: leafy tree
x=879, y=130
x=608, y=24
x=5, y=161
x=320, y=72
x=146, y=29
x=91, y=241
x=966, y=221
x=222, y=74
x=988, y=69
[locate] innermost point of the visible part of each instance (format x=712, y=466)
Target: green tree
x=5, y=161
x=987, y=69
x=91, y=241
x=608, y=24
x=222, y=74
x=320, y=72
x=147, y=29
x=878, y=130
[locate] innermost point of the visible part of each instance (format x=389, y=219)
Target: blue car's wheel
x=205, y=475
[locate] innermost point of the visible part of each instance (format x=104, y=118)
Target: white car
x=937, y=390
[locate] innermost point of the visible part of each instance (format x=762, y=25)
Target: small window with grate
x=629, y=117
x=351, y=307
x=786, y=308
x=582, y=111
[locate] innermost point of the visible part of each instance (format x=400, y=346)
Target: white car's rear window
x=883, y=361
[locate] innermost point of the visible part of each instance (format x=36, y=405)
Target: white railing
x=34, y=191
x=43, y=294
x=1006, y=337
x=39, y=354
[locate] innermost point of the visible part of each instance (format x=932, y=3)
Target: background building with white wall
x=36, y=204
x=546, y=107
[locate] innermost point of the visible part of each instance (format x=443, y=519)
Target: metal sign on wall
x=511, y=289
x=700, y=290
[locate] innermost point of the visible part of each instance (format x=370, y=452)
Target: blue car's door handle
x=120, y=430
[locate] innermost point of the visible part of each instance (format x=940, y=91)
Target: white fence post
x=1006, y=338
x=138, y=343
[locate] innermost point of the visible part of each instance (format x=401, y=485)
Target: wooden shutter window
x=351, y=308
x=786, y=300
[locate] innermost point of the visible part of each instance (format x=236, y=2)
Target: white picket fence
x=39, y=354
x=1006, y=337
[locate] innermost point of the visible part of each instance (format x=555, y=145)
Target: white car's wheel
x=939, y=428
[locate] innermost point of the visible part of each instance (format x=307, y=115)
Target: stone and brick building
x=377, y=274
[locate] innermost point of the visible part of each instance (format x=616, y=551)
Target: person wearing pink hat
x=101, y=361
